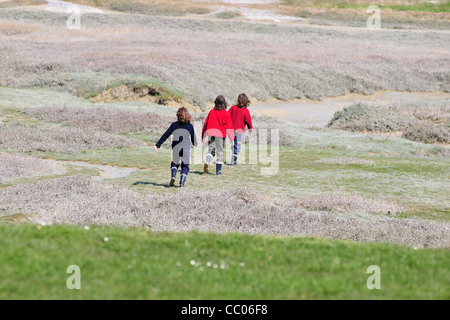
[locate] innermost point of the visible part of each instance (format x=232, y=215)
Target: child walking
x=240, y=116
x=183, y=138
x=216, y=127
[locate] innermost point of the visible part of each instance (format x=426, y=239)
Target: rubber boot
x=218, y=169
x=234, y=162
x=182, y=180
x=174, y=175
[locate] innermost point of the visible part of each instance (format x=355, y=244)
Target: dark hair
x=220, y=103
x=183, y=115
x=243, y=101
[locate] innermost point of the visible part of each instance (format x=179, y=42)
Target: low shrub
x=14, y=166
x=28, y=137
x=228, y=15
x=436, y=152
x=108, y=120
x=82, y=201
x=17, y=28
x=428, y=133
x=365, y=118
x=347, y=203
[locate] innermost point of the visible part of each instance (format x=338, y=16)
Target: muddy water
x=310, y=113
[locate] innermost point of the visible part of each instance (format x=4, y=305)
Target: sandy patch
x=106, y=172
x=63, y=6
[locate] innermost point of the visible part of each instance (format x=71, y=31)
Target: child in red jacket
x=217, y=125
x=241, y=118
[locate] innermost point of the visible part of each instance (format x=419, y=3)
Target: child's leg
x=237, y=146
x=212, y=146
x=173, y=168
x=234, y=147
x=211, y=153
x=185, y=160
x=185, y=169
x=174, y=165
x=184, y=173
x=219, y=150
x=238, y=139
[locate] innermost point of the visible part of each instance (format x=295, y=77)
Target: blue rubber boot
x=218, y=169
x=174, y=175
x=182, y=180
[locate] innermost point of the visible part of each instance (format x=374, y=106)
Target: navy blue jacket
x=182, y=133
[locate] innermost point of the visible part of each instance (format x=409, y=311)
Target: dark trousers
x=184, y=167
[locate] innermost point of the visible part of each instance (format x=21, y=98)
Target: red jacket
x=218, y=124
x=240, y=117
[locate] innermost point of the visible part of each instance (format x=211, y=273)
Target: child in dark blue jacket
x=183, y=138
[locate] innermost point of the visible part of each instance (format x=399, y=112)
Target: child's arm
x=164, y=137
x=229, y=126
x=193, y=137
x=248, y=120
x=205, y=125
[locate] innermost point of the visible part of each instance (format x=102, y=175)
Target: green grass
x=163, y=8
x=415, y=6
x=228, y=15
x=138, y=264
x=426, y=7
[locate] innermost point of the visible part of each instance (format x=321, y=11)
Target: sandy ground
x=63, y=6
x=310, y=113
x=106, y=172
x=251, y=13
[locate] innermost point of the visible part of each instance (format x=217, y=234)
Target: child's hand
x=156, y=148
